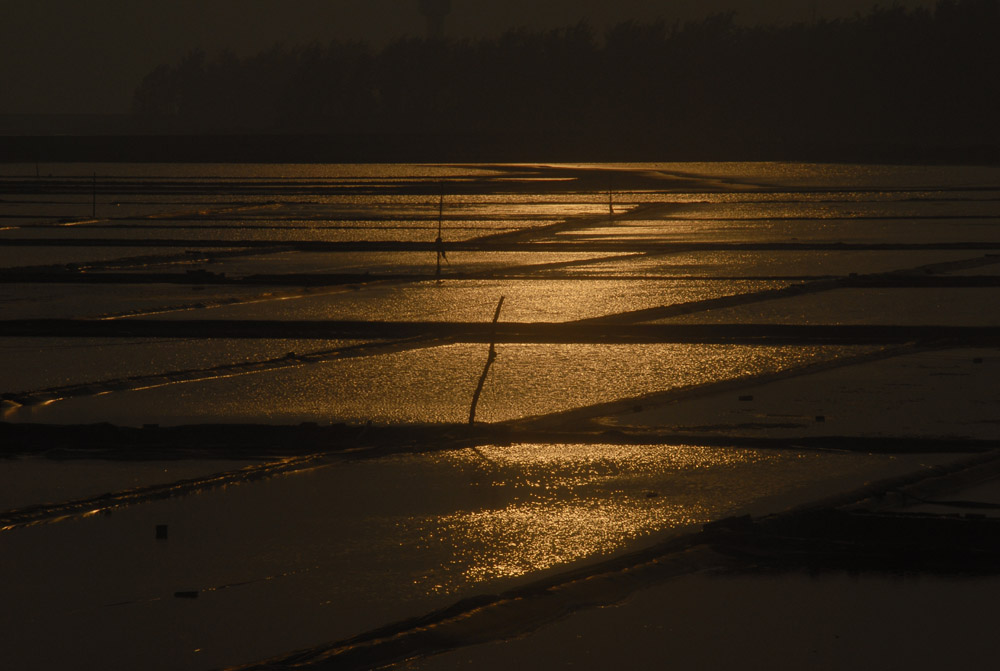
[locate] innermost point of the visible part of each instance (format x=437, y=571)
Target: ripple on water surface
x=434, y=385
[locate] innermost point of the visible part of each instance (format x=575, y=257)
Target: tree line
x=924, y=77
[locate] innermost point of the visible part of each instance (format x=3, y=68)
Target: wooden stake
x=439, y=243
x=611, y=200
x=486, y=369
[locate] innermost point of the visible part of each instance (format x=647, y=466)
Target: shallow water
x=782, y=231
x=475, y=300
x=911, y=307
x=941, y=393
x=325, y=554
x=31, y=481
x=431, y=385
x=89, y=301
x=18, y=257
x=301, y=559
x=795, y=264
x=39, y=363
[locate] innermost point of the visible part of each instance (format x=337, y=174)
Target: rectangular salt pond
x=368, y=218
x=876, y=231
x=85, y=300
x=236, y=235
x=292, y=229
x=539, y=206
x=30, y=481
x=18, y=256
x=476, y=300
x=380, y=263
x=31, y=364
x=840, y=206
x=432, y=385
x=991, y=270
x=841, y=176
x=30, y=210
x=317, y=556
x=751, y=263
x=914, y=195
x=938, y=394
x=902, y=307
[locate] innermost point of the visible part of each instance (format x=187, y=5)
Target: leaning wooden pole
x=611, y=199
x=486, y=369
x=439, y=242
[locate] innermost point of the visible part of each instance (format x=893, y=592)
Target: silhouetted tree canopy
x=925, y=77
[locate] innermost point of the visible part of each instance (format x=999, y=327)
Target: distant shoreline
x=434, y=148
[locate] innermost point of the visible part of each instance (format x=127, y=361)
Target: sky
x=88, y=56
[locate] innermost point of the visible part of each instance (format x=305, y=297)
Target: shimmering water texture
x=674, y=342
x=666, y=243
x=551, y=505
x=430, y=385
x=329, y=553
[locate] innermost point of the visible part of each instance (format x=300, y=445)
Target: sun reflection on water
x=555, y=504
x=537, y=535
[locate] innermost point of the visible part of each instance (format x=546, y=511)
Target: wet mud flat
x=860, y=533
x=258, y=412
x=811, y=585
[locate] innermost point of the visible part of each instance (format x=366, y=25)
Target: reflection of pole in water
x=93, y=208
x=491, y=357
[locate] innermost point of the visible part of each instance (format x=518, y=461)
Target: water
x=474, y=300
x=329, y=552
x=326, y=554
x=430, y=385
x=867, y=306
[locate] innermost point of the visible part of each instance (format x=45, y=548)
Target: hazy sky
x=87, y=56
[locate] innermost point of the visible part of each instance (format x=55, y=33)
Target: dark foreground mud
x=852, y=532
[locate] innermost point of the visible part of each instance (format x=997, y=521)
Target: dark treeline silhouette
x=892, y=77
